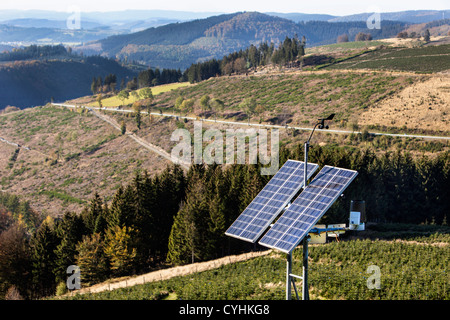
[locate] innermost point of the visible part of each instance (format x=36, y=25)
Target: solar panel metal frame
x=299, y=173
x=294, y=216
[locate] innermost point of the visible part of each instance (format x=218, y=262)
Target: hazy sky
x=335, y=7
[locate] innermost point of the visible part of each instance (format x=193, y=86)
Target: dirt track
x=139, y=140
x=171, y=272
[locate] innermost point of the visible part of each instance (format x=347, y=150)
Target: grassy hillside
x=300, y=96
x=411, y=268
x=426, y=59
x=114, y=101
x=71, y=155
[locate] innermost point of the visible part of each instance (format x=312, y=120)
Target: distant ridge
x=50, y=27
x=411, y=16
x=298, y=17
x=178, y=45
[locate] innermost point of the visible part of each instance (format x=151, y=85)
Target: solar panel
x=304, y=212
x=269, y=202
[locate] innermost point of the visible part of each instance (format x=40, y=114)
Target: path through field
x=258, y=125
x=139, y=140
x=165, y=274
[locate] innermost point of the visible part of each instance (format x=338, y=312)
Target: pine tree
x=43, y=246
x=123, y=127
x=94, y=87
x=217, y=215
x=189, y=231
x=69, y=231
x=91, y=259
x=99, y=84
x=122, y=212
x=118, y=249
x=144, y=205
x=169, y=191
x=252, y=186
x=426, y=36
x=94, y=217
x=137, y=114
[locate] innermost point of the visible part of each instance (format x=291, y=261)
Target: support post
x=305, y=291
x=305, y=172
x=288, y=276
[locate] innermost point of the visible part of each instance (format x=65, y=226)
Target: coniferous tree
x=94, y=217
x=170, y=190
x=99, y=84
x=69, y=231
x=118, y=249
x=189, y=230
x=137, y=114
x=144, y=205
x=94, y=87
x=252, y=186
x=426, y=35
x=91, y=259
x=218, y=214
x=122, y=210
x=43, y=246
x=15, y=261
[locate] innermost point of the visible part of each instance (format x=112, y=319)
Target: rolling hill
x=411, y=16
x=34, y=80
x=181, y=44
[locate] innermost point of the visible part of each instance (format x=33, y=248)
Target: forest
x=36, y=75
x=178, y=45
x=176, y=217
x=286, y=53
x=34, y=52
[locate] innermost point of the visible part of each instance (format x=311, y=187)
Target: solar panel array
x=295, y=223
x=268, y=204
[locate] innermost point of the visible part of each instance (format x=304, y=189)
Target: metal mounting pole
x=305, y=291
x=288, y=276
x=305, y=172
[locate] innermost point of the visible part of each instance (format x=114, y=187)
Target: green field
x=344, y=46
x=426, y=59
x=415, y=268
x=115, y=101
x=304, y=95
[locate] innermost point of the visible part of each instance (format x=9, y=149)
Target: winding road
x=252, y=124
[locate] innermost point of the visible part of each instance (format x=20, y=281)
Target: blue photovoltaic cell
x=268, y=204
x=296, y=222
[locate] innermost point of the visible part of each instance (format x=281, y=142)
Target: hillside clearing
x=295, y=98
x=424, y=59
x=423, y=105
x=72, y=156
